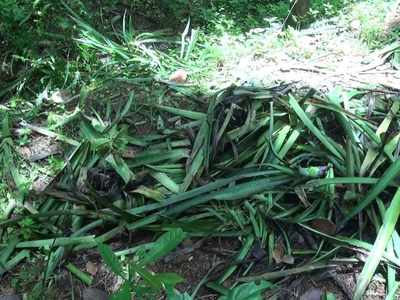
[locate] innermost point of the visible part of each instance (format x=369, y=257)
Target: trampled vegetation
x=139, y=158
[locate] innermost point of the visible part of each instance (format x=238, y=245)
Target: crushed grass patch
x=269, y=166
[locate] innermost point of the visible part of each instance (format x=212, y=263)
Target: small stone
x=179, y=76
x=59, y=96
x=288, y=259
x=93, y=294
x=258, y=252
x=41, y=183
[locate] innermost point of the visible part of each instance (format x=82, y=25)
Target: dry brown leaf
x=324, y=225
x=288, y=259
x=91, y=268
x=278, y=252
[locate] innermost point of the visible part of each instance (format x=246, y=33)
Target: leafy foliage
x=247, y=291
x=138, y=280
x=270, y=165
x=110, y=259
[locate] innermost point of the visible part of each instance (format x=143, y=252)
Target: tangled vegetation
x=104, y=153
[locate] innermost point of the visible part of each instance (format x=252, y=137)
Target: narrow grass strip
x=391, y=173
x=51, y=134
x=309, y=124
x=339, y=180
x=392, y=294
x=62, y=241
x=14, y=261
x=286, y=273
x=354, y=243
x=385, y=234
x=193, y=115
x=84, y=277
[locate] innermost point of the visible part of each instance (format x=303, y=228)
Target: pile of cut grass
x=302, y=180
x=269, y=166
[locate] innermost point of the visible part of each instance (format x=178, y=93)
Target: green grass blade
x=328, y=143
x=289, y=272
x=51, y=134
x=239, y=258
x=392, y=295
x=166, y=181
x=84, y=277
x=164, y=245
x=120, y=166
x=193, y=115
x=391, y=173
x=355, y=243
x=385, y=233
x=62, y=241
x=14, y=261
x=111, y=259
x=339, y=180
x=157, y=155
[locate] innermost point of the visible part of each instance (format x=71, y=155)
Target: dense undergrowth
x=38, y=51
x=287, y=172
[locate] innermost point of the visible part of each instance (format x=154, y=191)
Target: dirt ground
x=197, y=260
x=322, y=57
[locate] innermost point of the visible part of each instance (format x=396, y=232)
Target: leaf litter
x=328, y=54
